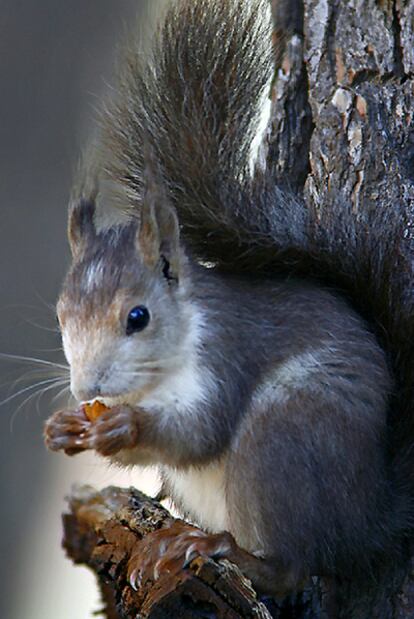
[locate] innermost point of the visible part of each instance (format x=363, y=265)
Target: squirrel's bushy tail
x=195, y=103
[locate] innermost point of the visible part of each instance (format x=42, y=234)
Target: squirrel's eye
x=138, y=319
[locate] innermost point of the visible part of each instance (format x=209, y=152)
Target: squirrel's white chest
x=200, y=494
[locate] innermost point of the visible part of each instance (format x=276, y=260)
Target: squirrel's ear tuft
x=158, y=238
x=81, y=227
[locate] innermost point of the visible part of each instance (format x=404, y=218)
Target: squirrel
x=257, y=351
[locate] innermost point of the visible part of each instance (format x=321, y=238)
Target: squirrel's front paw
x=114, y=430
x=67, y=431
x=170, y=550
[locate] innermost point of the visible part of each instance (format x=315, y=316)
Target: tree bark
x=102, y=530
x=341, y=129
x=342, y=117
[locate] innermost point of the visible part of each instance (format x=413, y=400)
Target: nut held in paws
x=94, y=409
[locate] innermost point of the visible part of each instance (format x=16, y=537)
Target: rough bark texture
x=102, y=530
x=342, y=124
x=291, y=124
x=342, y=120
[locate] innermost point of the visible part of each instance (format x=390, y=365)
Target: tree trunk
x=342, y=119
x=342, y=129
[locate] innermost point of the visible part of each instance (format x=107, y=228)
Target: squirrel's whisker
x=38, y=372
x=58, y=349
x=148, y=372
x=13, y=382
x=42, y=372
x=40, y=391
x=8, y=357
x=159, y=362
x=42, y=327
x=37, y=396
x=13, y=396
x=60, y=393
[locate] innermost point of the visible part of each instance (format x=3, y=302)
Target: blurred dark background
x=55, y=62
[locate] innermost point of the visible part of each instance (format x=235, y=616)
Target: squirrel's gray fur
x=308, y=316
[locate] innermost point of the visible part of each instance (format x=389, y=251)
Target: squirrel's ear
x=81, y=227
x=158, y=238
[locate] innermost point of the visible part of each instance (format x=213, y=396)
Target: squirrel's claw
x=171, y=550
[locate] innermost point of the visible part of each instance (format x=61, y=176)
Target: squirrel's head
x=124, y=311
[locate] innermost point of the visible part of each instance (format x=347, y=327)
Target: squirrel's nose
x=85, y=393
